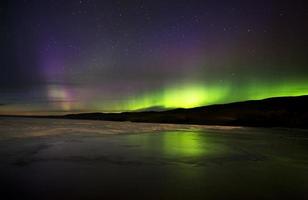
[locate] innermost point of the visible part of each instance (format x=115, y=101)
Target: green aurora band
x=200, y=94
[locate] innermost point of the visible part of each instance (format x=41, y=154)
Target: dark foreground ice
x=72, y=159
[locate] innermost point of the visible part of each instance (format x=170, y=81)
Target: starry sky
x=66, y=56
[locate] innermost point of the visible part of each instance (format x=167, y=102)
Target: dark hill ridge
x=272, y=112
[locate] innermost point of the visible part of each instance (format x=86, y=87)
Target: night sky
x=61, y=56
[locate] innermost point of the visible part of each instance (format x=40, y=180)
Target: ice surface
x=80, y=159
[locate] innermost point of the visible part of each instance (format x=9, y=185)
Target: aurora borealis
x=111, y=56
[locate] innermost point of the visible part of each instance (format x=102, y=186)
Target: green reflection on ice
x=183, y=144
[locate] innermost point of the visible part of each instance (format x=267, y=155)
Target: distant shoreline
x=290, y=112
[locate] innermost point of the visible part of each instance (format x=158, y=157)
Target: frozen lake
x=81, y=159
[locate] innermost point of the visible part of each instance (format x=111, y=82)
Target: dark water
x=70, y=159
